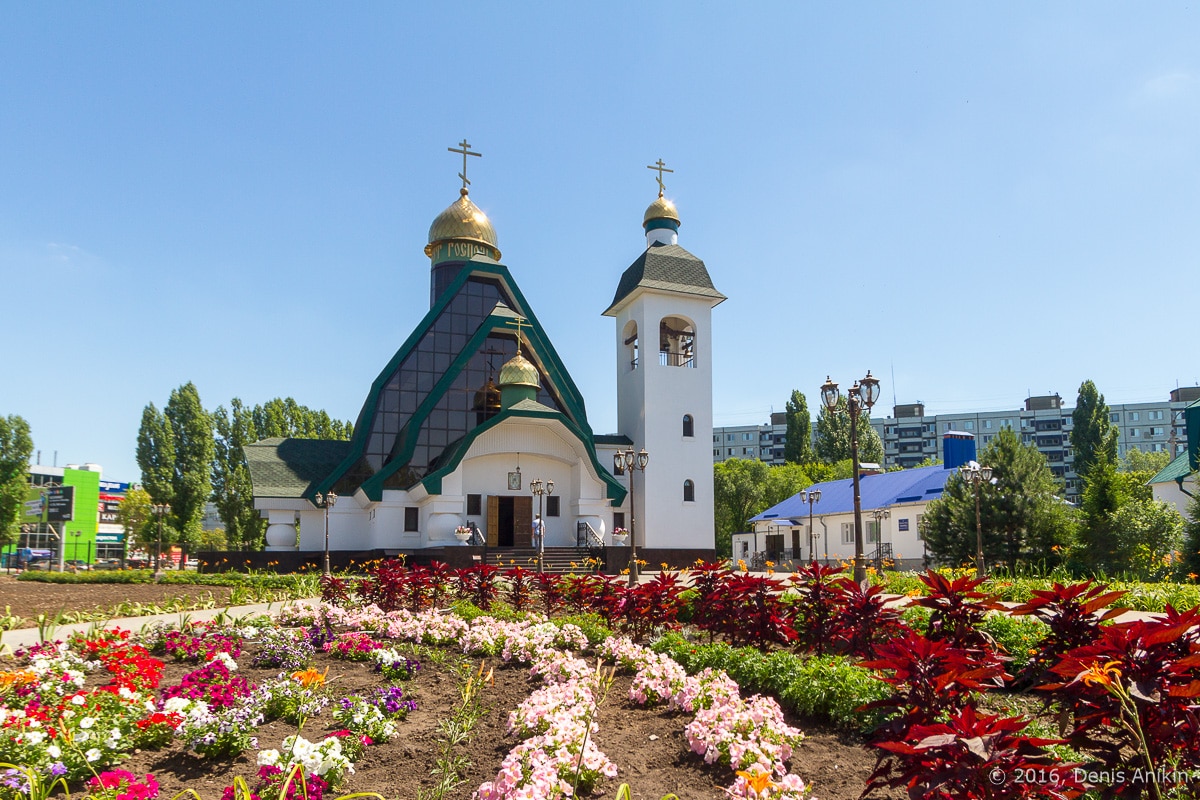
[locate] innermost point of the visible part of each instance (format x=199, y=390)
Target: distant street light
x=861, y=396
x=540, y=490
x=326, y=502
x=811, y=497
x=880, y=515
x=974, y=475
x=630, y=461
x=160, y=510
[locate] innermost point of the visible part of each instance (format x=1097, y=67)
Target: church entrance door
x=509, y=521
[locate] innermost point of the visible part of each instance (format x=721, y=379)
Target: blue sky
x=983, y=200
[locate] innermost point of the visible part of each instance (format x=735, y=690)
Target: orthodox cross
x=519, y=321
x=466, y=151
x=661, y=166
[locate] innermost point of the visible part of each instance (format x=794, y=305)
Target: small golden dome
x=662, y=208
x=462, y=221
x=519, y=371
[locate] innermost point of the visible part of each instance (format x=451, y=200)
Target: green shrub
x=592, y=625
x=1016, y=635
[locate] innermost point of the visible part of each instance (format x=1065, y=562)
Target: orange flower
x=759, y=782
x=309, y=678
x=1096, y=674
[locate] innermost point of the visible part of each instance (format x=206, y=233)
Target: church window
x=474, y=505
x=689, y=491
x=631, y=344
x=689, y=425
x=552, y=506
x=618, y=519
x=412, y=516
x=676, y=342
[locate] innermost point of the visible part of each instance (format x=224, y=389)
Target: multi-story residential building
x=910, y=436
x=763, y=442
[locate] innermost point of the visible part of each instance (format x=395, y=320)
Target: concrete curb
x=26, y=637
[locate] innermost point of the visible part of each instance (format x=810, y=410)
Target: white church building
x=476, y=404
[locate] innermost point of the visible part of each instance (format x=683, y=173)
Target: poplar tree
x=797, y=447
x=16, y=446
x=1093, y=436
x=191, y=480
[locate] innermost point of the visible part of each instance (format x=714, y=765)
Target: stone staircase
x=557, y=560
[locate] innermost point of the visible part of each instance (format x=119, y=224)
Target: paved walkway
x=25, y=637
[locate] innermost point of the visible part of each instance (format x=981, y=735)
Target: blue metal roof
x=877, y=491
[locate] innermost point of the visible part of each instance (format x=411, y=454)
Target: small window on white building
x=689, y=492
x=847, y=533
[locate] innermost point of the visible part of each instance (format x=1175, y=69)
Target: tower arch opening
x=630, y=339
x=676, y=342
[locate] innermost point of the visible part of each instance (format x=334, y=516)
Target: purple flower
x=58, y=768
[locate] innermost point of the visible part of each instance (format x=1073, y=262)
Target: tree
x=1125, y=530
x=156, y=455
x=134, y=516
x=1093, y=437
x=16, y=445
x=233, y=493
x=833, y=435
x=738, y=486
x=239, y=426
x=1023, y=518
x=1190, y=564
x=783, y=481
x=191, y=475
x=797, y=447
x=1147, y=464
x=1149, y=538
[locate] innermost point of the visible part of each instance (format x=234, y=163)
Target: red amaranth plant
x=819, y=599
x=864, y=618
x=651, y=605
x=550, y=589
x=958, y=612
x=973, y=756
x=518, y=591
x=708, y=581
x=1073, y=615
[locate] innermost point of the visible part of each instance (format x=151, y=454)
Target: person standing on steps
x=539, y=529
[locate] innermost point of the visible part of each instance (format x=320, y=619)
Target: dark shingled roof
x=292, y=467
x=611, y=438
x=668, y=267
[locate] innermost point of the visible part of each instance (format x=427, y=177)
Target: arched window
x=689, y=426
x=676, y=342
x=631, y=344
x=689, y=492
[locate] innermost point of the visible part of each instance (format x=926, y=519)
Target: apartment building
x=762, y=442
x=911, y=436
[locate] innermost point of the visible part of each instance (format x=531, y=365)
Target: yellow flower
x=758, y=781
x=309, y=678
x=1103, y=676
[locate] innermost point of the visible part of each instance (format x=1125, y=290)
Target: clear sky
x=985, y=200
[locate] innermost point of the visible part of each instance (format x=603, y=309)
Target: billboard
x=60, y=503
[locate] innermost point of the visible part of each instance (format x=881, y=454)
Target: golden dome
x=519, y=371
x=662, y=208
x=462, y=221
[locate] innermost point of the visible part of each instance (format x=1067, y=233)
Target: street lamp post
x=811, y=497
x=974, y=475
x=160, y=511
x=326, y=502
x=880, y=514
x=862, y=395
x=630, y=461
x=540, y=490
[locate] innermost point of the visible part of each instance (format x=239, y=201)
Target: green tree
x=1125, y=530
x=134, y=516
x=1147, y=464
x=1093, y=437
x=1023, y=519
x=797, y=447
x=1150, y=537
x=239, y=426
x=738, y=486
x=783, y=481
x=833, y=435
x=156, y=455
x=1190, y=564
x=191, y=479
x=16, y=446
x=233, y=493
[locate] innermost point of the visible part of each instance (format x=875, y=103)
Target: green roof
x=667, y=267
x=611, y=438
x=292, y=467
x=1176, y=471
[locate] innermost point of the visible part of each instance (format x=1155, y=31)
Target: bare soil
x=27, y=599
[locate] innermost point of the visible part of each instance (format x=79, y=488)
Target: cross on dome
x=466, y=151
x=661, y=167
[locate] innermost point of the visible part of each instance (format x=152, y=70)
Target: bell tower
x=663, y=310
